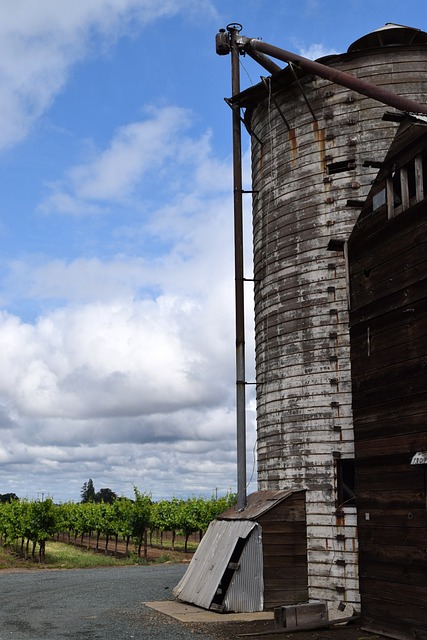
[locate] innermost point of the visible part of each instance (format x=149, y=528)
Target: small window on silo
x=339, y=167
x=345, y=469
x=336, y=244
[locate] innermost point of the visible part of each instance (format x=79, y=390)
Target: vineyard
x=26, y=525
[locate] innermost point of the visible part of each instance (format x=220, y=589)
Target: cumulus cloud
x=137, y=149
x=316, y=51
x=152, y=151
x=114, y=389
x=120, y=357
x=41, y=41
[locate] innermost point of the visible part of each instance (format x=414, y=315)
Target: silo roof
x=389, y=35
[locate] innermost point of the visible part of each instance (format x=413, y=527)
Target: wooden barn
x=388, y=337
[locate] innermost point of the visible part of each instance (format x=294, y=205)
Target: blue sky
x=116, y=265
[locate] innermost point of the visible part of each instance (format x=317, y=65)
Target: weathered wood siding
x=285, y=552
x=301, y=312
x=389, y=355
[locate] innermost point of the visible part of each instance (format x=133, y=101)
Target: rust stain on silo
x=293, y=140
x=340, y=519
x=319, y=136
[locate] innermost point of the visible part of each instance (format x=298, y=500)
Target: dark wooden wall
x=388, y=320
x=284, y=539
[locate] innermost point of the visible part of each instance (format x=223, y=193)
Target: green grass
x=8, y=560
x=63, y=556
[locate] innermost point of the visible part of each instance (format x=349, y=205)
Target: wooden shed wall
x=388, y=321
x=284, y=538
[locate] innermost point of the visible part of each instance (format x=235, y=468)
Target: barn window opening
x=406, y=186
x=379, y=200
x=410, y=168
x=345, y=469
x=397, y=189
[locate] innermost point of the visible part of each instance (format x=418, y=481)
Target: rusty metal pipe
x=338, y=77
x=264, y=61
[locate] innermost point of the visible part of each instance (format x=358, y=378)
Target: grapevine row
x=24, y=524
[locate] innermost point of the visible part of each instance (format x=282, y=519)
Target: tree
x=105, y=495
x=88, y=491
x=8, y=497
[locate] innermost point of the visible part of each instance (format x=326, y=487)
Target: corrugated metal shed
x=207, y=573
x=251, y=560
x=246, y=590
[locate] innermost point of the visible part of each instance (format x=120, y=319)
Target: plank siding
x=284, y=534
x=388, y=355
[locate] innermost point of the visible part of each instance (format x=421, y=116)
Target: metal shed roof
x=258, y=503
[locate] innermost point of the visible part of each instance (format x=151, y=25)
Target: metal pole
x=234, y=30
x=339, y=77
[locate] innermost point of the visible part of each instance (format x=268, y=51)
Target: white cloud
x=40, y=42
x=121, y=391
x=316, y=51
x=106, y=360
x=135, y=150
x=155, y=150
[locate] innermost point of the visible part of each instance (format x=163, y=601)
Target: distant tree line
x=88, y=493
x=8, y=497
x=24, y=524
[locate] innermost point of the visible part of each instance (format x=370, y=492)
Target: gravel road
x=90, y=604
x=108, y=604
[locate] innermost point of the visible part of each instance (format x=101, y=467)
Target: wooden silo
x=316, y=147
x=388, y=319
